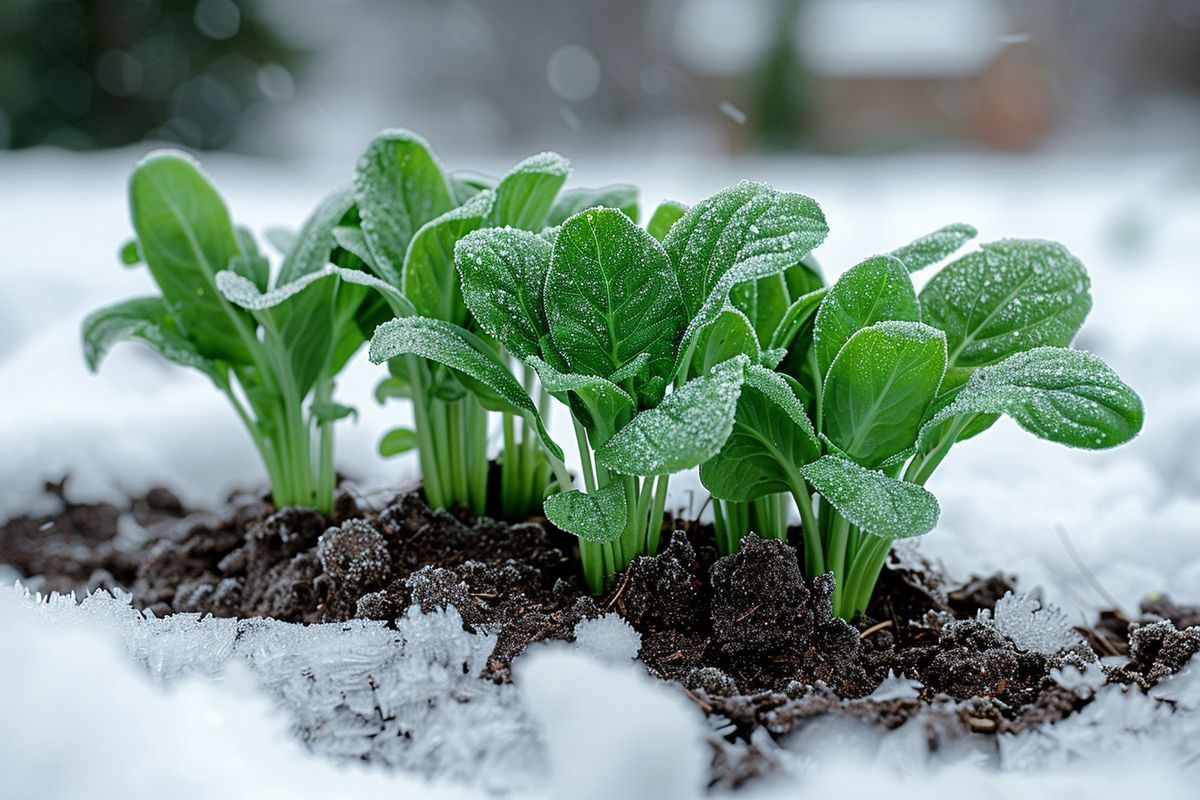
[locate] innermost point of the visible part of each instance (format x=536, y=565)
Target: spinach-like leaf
x=765, y=303
x=524, y=196
x=771, y=438
x=146, y=319
x=620, y=196
x=934, y=247
x=610, y=295
x=311, y=247
x=465, y=184
x=875, y=290
x=684, y=430
x=459, y=349
x=502, y=271
x=1012, y=295
x=879, y=387
x=1062, y=395
x=185, y=235
x=129, y=254
x=666, y=215
x=730, y=334
x=872, y=501
x=794, y=319
x=430, y=279
x=601, y=406
x=397, y=441
x=597, y=516
x=398, y=187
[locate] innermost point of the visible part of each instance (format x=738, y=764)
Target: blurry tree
x=102, y=73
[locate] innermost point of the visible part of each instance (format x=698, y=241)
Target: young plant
x=411, y=214
x=610, y=319
x=274, y=354
x=885, y=381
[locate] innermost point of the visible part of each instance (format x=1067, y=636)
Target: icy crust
x=408, y=698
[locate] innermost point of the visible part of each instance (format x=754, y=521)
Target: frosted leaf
x=609, y=639
x=398, y=187
x=525, y=195
x=1066, y=396
x=312, y=245
x=145, y=319
x=464, y=352
x=896, y=688
x=934, y=247
x=429, y=279
x=879, y=387
x=1032, y=626
x=598, y=516
x=1010, y=296
x=621, y=196
x=243, y=293
x=666, y=215
x=794, y=318
x=872, y=501
x=875, y=290
x=685, y=430
x=610, y=295
x=502, y=271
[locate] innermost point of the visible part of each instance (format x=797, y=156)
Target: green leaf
x=730, y=334
x=129, y=254
x=186, y=237
x=397, y=441
x=666, y=215
x=749, y=228
x=465, y=184
x=332, y=412
x=772, y=436
x=430, y=280
x=685, y=430
x=620, y=196
x=599, y=404
x=872, y=501
x=876, y=290
x=610, y=295
x=459, y=349
x=312, y=245
x=398, y=187
x=934, y=247
x=765, y=302
x=145, y=319
x=796, y=316
x=740, y=234
x=282, y=239
x=1011, y=296
x=393, y=387
x=1065, y=396
x=524, y=196
x=879, y=387
x=595, y=517
x=502, y=271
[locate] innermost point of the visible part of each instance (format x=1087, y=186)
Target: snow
x=1130, y=517
x=1033, y=627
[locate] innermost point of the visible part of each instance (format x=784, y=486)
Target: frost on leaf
x=934, y=247
x=147, y=319
x=686, y=429
x=429, y=278
x=1012, y=295
x=597, y=516
x=872, y=291
x=502, y=271
x=1066, y=396
x=1032, y=626
x=872, y=501
x=525, y=195
x=240, y=291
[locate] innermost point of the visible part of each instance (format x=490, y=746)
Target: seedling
x=610, y=319
x=881, y=382
x=274, y=354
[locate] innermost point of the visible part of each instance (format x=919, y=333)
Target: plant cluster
x=706, y=339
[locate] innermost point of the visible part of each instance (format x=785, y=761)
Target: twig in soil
x=878, y=626
x=620, y=589
x=705, y=707
x=1087, y=574
x=748, y=613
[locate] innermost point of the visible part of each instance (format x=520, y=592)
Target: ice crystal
x=609, y=639
x=1033, y=626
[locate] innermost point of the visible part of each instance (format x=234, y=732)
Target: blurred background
x=316, y=78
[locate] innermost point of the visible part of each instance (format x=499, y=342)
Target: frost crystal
x=896, y=688
x=609, y=639
x=1032, y=626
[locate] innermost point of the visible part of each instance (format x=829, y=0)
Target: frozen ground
x=1009, y=502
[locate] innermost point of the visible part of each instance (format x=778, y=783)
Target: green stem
x=814, y=554
x=920, y=469
x=427, y=452
x=837, y=560
x=661, y=487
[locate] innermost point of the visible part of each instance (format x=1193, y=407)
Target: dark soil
x=747, y=637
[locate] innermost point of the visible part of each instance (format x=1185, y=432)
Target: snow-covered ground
x=1131, y=517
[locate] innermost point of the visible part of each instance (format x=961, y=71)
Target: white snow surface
x=197, y=708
